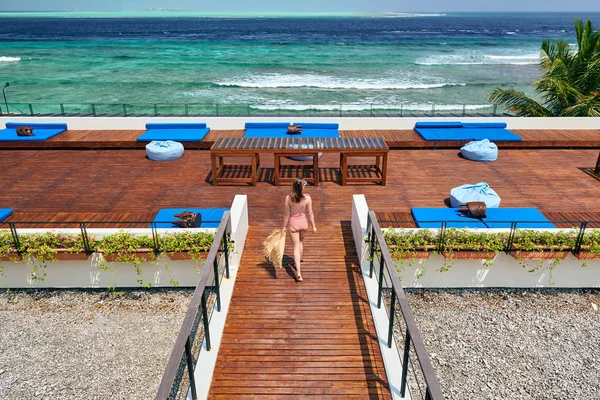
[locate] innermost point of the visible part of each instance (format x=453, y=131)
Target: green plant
x=540, y=241
x=463, y=240
x=590, y=246
x=410, y=245
x=45, y=246
x=195, y=243
x=570, y=82
x=8, y=251
x=128, y=248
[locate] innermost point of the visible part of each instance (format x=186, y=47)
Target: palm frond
x=518, y=103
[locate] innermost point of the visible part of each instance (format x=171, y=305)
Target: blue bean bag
x=478, y=192
x=480, y=150
x=164, y=150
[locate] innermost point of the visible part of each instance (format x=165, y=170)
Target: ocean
x=275, y=62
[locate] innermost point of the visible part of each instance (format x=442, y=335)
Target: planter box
x=140, y=254
x=184, y=256
x=11, y=257
x=412, y=255
x=586, y=255
x=64, y=255
x=470, y=255
x=539, y=255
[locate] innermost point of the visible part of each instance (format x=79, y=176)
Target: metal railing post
x=205, y=321
x=226, y=251
x=85, y=239
x=441, y=234
x=401, y=109
x=62, y=109
x=495, y=108
x=433, y=110
x=217, y=287
x=511, y=237
x=579, y=240
x=464, y=110
x=190, y=365
x=93, y=109
x=155, y=237
x=124, y=110
x=392, y=311
x=371, y=111
x=340, y=110
x=380, y=283
x=31, y=109
x=405, y=364
x=155, y=110
x=372, y=254
x=15, y=235
x=186, y=110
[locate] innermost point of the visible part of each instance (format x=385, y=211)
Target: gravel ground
x=512, y=344
x=82, y=344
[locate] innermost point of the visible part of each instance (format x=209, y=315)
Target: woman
x=297, y=207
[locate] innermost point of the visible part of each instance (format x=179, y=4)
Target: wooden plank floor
x=126, y=182
x=397, y=139
x=310, y=339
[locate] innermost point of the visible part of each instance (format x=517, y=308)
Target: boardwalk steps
x=311, y=339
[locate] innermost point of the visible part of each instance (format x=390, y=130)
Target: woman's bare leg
x=302, y=234
x=296, y=241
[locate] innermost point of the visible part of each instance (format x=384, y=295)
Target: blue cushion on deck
x=266, y=125
x=268, y=133
x=5, y=212
x=41, y=131
x=211, y=217
x=179, y=132
x=317, y=125
x=458, y=131
x=495, y=218
x=439, y=124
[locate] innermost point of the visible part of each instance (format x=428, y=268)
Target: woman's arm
x=286, y=213
x=311, y=215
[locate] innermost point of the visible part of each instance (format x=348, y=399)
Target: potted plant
x=542, y=245
x=8, y=251
x=126, y=247
x=410, y=244
x=187, y=245
x=590, y=246
x=465, y=244
x=53, y=246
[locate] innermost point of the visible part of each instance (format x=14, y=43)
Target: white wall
x=350, y=123
x=239, y=226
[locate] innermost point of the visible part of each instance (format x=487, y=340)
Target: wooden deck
x=310, y=339
x=395, y=139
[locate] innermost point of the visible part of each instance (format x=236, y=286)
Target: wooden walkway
x=311, y=339
x=395, y=139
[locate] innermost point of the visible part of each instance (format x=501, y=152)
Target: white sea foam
x=9, y=59
x=479, y=59
x=409, y=15
x=270, y=81
x=364, y=106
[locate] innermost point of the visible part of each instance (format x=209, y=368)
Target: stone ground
x=512, y=344
x=87, y=344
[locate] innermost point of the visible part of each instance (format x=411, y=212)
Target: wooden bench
x=286, y=147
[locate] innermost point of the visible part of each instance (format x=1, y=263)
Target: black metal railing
x=578, y=229
x=414, y=355
x=238, y=110
x=178, y=379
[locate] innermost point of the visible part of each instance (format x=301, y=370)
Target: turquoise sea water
x=275, y=62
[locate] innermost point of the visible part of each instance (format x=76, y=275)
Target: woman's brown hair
x=296, y=194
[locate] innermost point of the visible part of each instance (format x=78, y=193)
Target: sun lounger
x=179, y=132
x=465, y=131
x=496, y=218
x=41, y=131
x=211, y=217
x=5, y=212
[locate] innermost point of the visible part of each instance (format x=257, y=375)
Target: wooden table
x=286, y=147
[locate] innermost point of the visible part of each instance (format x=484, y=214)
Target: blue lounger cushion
x=179, y=132
x=318, y=125
x=211, y=217
x=267, y=133
x=41, y=131
x=5, y=212
x=526, y=218
x=459, y=131
x=266, y=125
x=439, y=124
